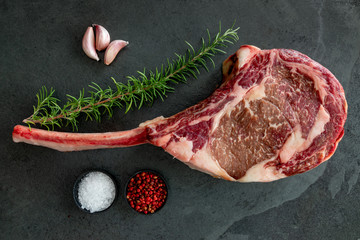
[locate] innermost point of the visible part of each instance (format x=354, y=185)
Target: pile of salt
x=96, y=192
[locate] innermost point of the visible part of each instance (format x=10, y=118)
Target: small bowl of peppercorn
x=146, y=192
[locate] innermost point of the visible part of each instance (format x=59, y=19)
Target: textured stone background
x=41, y=45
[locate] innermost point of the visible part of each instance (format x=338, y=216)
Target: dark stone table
x=41, y=45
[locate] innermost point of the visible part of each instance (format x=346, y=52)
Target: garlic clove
x=88, y=44
x=113, y=49
x=102, y=37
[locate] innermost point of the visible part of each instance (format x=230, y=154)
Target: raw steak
x=276, y=114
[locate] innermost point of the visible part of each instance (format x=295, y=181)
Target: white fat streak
x=257, y=92
x=275, y=125
x=247, y=105
x=319, y=83
x=181, y=149
x=242, y=55
x=201, y=119
x=296, y=143
x=260, y=173
x=238, y=92
x=320, y=86
x=162, y=141
x=204, y=162
x=292, y=145
x=152, y=121
x=322, y=118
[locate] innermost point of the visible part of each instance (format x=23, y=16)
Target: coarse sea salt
x=96, y=191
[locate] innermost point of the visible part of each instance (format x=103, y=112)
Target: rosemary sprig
x=144, y=88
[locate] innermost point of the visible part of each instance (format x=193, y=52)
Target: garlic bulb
x=88, y=44
x=113, y=49
x=102, y=37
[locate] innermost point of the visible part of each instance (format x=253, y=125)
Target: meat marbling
x=276, y=114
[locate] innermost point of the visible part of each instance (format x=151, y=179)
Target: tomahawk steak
x=276, y=114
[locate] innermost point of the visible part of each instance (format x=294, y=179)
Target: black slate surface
x=41, y=45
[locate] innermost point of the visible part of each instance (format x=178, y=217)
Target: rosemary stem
x=107, y=100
